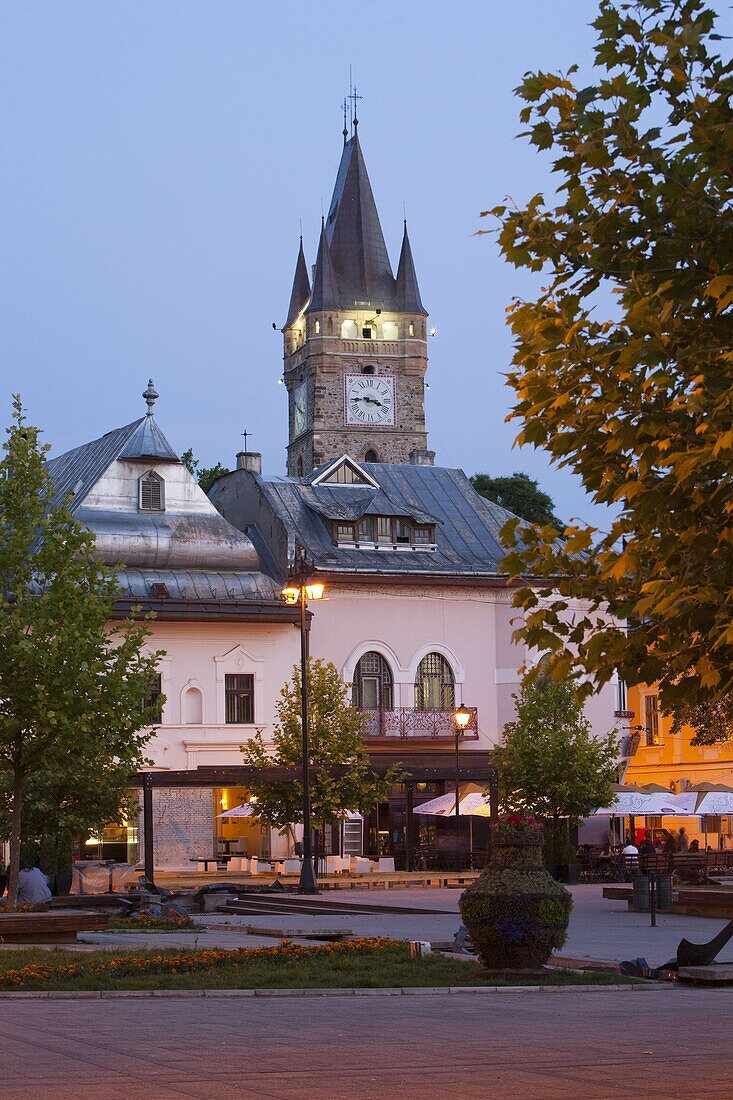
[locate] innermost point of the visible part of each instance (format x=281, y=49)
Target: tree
x=335, y=737
x=550, y=762
x=71, y=684
x=205, y=475
x=711, y=721
x=519, y=494
x=623, y=369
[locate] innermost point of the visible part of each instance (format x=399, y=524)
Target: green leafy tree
x=71, y=684
x=623, y=368
x=550, y=762
x=335, y=733
x=519, y=494
x=205, y=475
x=712, y=721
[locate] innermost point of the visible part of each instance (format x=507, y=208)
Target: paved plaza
x=658, y=1044
x=599, y=929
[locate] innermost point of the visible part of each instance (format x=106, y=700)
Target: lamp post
x=299, y=590
x=461, y=720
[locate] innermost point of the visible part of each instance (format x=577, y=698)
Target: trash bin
x=664, y=891
x=641, y=892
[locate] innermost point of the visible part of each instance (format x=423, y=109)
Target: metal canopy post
x=409, y=825
x=148, y=827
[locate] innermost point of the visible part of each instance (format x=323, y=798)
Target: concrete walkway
x=599, y=929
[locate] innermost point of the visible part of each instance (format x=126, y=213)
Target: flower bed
x=38, y=975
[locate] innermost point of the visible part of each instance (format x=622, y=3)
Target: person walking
x=683, y=842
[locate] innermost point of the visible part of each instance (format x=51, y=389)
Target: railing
x=409, y=724
x=376, y=347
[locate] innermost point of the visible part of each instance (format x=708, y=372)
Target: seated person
x=694, y=846
x=32, y=886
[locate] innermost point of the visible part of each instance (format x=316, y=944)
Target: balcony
x=407, y=724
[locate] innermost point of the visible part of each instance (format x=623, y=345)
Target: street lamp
x=461, y=720
x=299, y=589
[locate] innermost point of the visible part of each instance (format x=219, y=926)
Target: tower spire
x=325, y=294
x=407, y=289
x=301, y=291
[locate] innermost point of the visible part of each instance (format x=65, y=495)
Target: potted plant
x=515, y=912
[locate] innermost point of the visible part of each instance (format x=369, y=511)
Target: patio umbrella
x=246, y=810
x=635, y=802
x=472, y=801
x=712, y=798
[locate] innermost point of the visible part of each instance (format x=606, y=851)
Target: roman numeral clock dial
x=369, y=399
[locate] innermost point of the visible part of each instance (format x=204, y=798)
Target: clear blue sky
x=158, y=159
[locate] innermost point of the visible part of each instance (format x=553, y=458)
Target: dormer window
x=152, y=492
x=345, y=471
x=384, y=533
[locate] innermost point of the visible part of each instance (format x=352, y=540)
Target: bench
x=51, y=927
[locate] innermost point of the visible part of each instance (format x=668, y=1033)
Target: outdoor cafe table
x=206, y=860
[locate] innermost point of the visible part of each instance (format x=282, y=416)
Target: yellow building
x=672, y=761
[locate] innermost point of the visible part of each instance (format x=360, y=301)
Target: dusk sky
x=159, y=158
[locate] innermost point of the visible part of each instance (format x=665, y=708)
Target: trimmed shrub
x=516, y=914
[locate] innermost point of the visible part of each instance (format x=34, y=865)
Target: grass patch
x=368, y=964
x=126, y=924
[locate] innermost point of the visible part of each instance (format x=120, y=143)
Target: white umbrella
x=711, y=798
x=473, y=804
x=638, y=804
x=246, y=810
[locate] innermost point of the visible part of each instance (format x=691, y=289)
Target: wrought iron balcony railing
x=409, y=724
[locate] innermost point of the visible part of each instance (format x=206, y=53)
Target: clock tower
x=355, y=341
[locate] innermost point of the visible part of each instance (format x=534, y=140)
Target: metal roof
x=301, y=291
x=147, y=441
x=325, y=295
x=76, y=471
x=192, y=586
x=354, y=234
x=408, y=292
x=467, y=525
x=200, y=560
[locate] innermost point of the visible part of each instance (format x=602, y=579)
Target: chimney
x=250, y=460
x=422, y=458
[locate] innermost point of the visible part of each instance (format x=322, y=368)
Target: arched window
x=372, y=683
x=435, y=687
x=348, y=330
x=152, y=492
x=371, y=456
x=193, y=709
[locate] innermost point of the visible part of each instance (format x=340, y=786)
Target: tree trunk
x=15, y=841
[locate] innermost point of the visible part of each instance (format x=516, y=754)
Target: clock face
x=369, y=399
x=300, y=408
